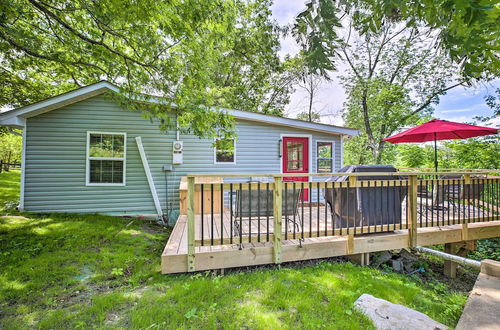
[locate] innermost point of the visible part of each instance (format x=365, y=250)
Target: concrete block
x=490, y=267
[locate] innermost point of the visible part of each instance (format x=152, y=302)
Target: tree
x=394, y=78
x=195, y=54
x=467, y=31
x=311, y=84
x=10, y=148
x=395, y=71
x=313, y=116
x=414, y=155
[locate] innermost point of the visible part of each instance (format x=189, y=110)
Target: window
x=106, y=158
x=225, y=150
x=295, y=151
x=324, y=157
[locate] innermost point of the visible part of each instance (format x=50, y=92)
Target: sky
x=459, y=104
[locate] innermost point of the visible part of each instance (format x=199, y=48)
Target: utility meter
x=177, y=148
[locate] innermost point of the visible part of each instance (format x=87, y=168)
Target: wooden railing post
x=190, y=224
x=277, y=208
x=412, y=211
x=465, y=223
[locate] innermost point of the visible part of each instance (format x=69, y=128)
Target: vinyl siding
x=56, y=158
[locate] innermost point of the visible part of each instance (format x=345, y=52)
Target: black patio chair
x=251, y=204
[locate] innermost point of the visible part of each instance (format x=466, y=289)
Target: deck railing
x=250, y=210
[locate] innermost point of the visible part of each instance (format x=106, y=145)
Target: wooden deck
x=256, y=247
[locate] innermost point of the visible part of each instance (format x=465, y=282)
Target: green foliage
x=315, y=32
x=472, y=153
x=195, y=54
x=467, y=31
x=93, y=271
x=412, y=155
x=486, y=249
x=315, y=116
x=479, y=153
x=10, y=147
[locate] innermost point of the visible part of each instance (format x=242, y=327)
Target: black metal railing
x=244, y=212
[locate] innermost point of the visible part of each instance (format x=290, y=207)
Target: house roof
x=17, y=117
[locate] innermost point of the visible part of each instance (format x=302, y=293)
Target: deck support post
x=362, y=259
x=190, y=224
x=460, y=249
x=277, y=212
x=450, y=267
x=412, y=211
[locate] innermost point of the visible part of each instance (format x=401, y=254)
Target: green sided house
x=83, y=153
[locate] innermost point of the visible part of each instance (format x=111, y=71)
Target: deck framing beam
x=229, y=256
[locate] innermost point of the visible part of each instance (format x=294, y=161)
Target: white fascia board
x=56, y=102
x=253, y=116
x=14, y=121
x=15, y=117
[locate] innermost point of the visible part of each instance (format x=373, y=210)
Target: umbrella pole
x=435, y=153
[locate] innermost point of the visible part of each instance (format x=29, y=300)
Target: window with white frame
x=324, y=156
x=106, y=153
x=225, y=150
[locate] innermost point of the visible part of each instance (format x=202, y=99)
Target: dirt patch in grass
x=464, y=282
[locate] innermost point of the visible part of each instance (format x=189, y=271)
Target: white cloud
x=495, y=122
x=456, y=110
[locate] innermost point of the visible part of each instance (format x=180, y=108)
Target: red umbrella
x=440, y=130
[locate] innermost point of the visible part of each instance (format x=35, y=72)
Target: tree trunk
x=311, y=96
x=8, y=161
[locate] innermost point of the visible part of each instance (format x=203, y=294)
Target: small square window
x=224, y=151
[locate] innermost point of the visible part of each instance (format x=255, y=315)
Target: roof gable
x=17, y=117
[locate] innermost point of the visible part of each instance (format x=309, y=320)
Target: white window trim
x=333, y=153
x=124, y=159
x=234, y=153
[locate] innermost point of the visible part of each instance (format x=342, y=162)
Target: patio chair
x=250, y=204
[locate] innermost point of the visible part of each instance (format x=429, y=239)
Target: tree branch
x=83, y=37
x=33, y=53
x=429, y=100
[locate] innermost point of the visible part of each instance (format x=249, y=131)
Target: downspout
x=177, y=127
x=450, y=257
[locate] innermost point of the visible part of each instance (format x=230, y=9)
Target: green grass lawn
x=92, y=271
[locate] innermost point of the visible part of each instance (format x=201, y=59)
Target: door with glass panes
x=296, y=160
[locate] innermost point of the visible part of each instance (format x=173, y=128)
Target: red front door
x=296, y=160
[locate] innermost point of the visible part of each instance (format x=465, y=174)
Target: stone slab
x=388, y=316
